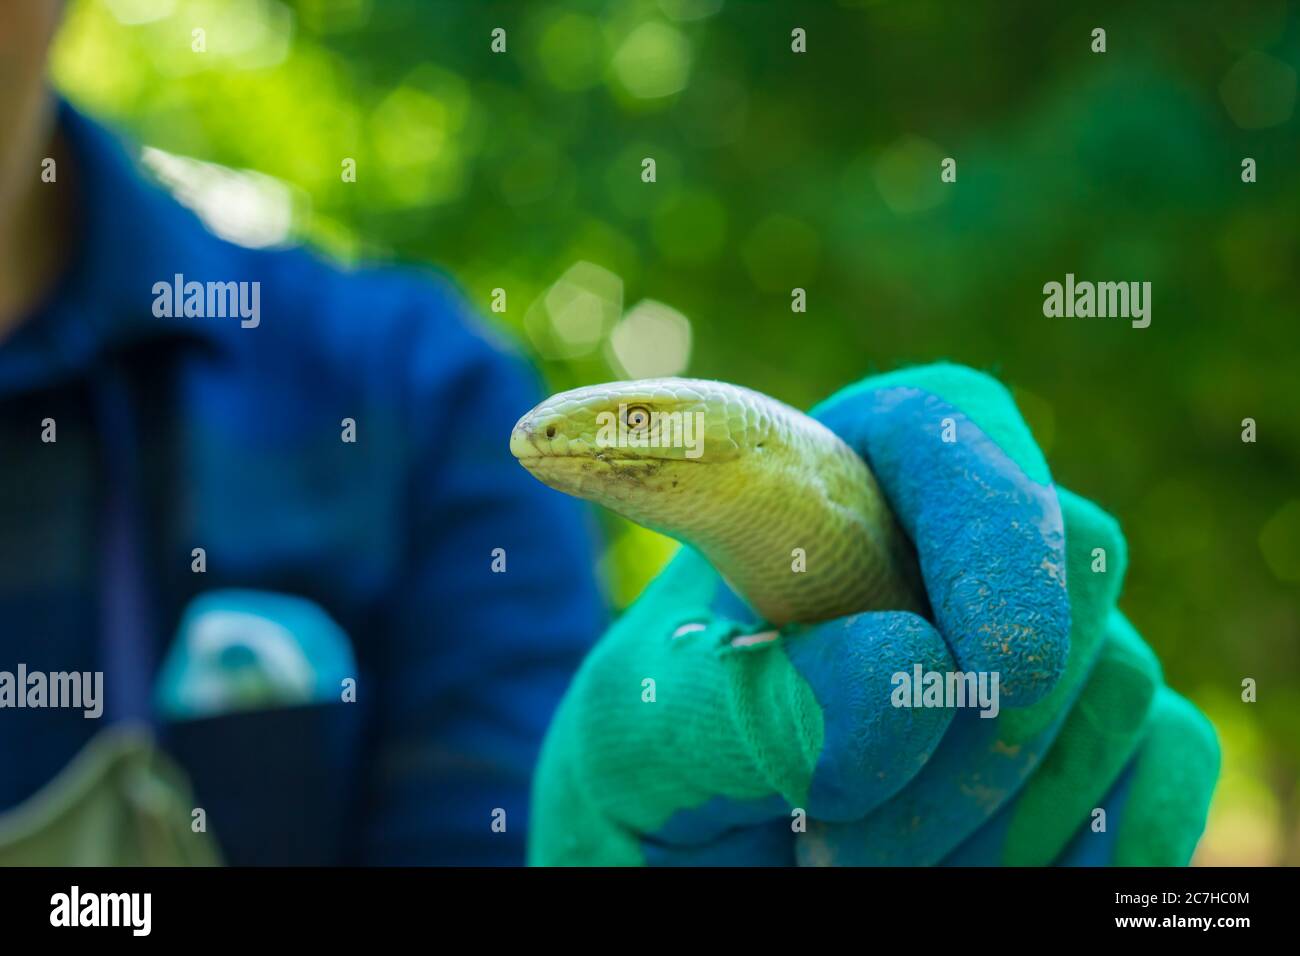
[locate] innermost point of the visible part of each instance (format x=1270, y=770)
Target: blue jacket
x=176, y=433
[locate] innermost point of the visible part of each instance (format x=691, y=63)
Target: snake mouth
x=536, y=452
x=590, y=464
x=614, y=477
x=523, y=446
x=611, y=482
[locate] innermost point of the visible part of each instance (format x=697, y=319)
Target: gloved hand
x=688, y=738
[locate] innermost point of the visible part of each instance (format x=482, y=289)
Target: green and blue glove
x=687, y=738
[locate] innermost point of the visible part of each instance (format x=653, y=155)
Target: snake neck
x=801, y=532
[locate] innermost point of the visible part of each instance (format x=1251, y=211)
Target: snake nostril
x=550, y=431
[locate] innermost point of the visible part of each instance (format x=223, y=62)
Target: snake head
x=639, y=446
x=743, y=479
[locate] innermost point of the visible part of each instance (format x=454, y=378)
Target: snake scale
x=787, y=513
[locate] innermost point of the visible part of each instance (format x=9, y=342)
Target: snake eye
x=637, y=417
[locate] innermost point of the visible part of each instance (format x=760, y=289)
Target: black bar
x=297, y=906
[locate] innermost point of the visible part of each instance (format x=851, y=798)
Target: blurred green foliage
x=775, y=170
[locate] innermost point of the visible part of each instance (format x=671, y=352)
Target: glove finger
x=863, y=671
x=1096, y=560
x=969, y=485
x=807, y=723
x=1098, y=739
x=982, y=762
x=1155, y=813
x=682, y=726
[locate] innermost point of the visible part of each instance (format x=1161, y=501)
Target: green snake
x=787, y=513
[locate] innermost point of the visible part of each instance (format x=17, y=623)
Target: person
x=164, y=434
x=271, y=502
